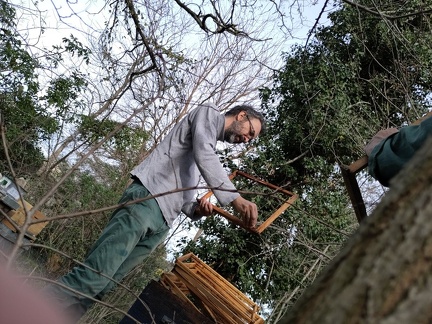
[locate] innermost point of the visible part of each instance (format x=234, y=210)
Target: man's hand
x=205, y=208
x=248, y=211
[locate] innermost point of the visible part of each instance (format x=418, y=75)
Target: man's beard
x=229, y=137
x=232, y=133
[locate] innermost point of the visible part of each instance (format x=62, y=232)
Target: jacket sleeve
x=189, y=210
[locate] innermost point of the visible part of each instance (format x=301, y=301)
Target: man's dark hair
x=251, y=112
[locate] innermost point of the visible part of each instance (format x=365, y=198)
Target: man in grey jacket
x=169, y=174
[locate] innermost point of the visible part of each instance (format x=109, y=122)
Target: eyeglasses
x=252, y=130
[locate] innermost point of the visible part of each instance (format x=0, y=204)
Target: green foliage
x=21, y=114
x=28, y=117
x=82, y=192
x=73, y=46
x=125, y=140
x=63, y=93
x=361, y=73
x=391, y=57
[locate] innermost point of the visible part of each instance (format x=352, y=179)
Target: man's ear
x=241, y=115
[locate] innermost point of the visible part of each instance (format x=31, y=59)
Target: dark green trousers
x=133, y=232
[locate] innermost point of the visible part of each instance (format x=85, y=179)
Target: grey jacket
x=177, y=162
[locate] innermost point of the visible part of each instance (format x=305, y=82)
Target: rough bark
x=384, y=272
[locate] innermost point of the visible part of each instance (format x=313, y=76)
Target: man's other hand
x=247, y=210
x=204, y=208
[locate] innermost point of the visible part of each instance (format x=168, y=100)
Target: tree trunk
x=384, y=273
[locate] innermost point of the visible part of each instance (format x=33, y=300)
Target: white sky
x=90, y=16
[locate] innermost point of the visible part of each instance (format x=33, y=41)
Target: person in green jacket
x=390, y=149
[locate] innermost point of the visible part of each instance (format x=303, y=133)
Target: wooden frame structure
x=191, y=279
x=290, y=198
x=19, y=217
x=349, y=176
